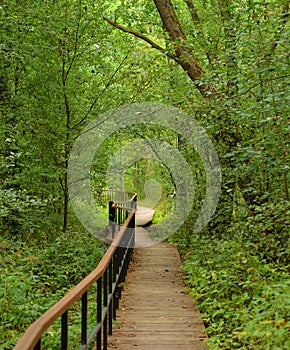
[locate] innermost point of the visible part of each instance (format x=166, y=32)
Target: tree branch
x=198, y=25
x=143, y=37
x=255, y=85
x=284, y=20
x=193, y=12
x=100, y=94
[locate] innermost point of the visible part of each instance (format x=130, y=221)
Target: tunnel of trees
x=226, y=63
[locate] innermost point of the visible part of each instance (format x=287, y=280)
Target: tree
x=228, y=50
x=183, y=54
x=49, y=88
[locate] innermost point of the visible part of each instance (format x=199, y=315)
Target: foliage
x=62, y=65
x=35, y=275
x=240, y=279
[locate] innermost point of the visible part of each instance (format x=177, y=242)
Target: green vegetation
x=226, y=63
x=240, y=279
x=35, y=275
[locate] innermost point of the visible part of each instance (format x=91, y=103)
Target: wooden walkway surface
x=154, y=312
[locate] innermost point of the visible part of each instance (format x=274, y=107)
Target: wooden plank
x=143, y=215
x=155, y=312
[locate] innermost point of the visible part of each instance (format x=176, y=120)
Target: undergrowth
x=240, y=279
x=35, y=275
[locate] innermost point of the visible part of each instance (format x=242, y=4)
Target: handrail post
x=110, y=292
x=105, y=323
x=99, y=312
x=133, y=222
x=115, y=281
x=84, y=318
x=64, y=331
x=112, y=215
x=38, y=345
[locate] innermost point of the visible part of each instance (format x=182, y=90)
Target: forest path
x=155, y=312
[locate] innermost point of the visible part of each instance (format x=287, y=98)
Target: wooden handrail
x=33, y=334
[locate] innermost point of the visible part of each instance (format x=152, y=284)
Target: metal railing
x=108, y=277
x=120, y=204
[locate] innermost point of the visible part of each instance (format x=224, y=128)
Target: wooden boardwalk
x=155, y=313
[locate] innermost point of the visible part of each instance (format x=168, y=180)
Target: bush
x=34, y=277
x=240, y=280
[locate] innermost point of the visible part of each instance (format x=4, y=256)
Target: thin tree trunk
x=66, y=150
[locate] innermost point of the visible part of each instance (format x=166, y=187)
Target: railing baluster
x=99, y=313
x=118, y=264
x=119, y=216
x=84, y=318
x=64, y=331
x=111, y=303
x=115, y=273
x=112, y=218
x=38, y=345
x=105, y=324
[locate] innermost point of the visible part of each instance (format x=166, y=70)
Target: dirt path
x=154, y=312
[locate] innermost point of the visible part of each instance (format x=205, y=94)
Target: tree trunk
x=187, y=60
